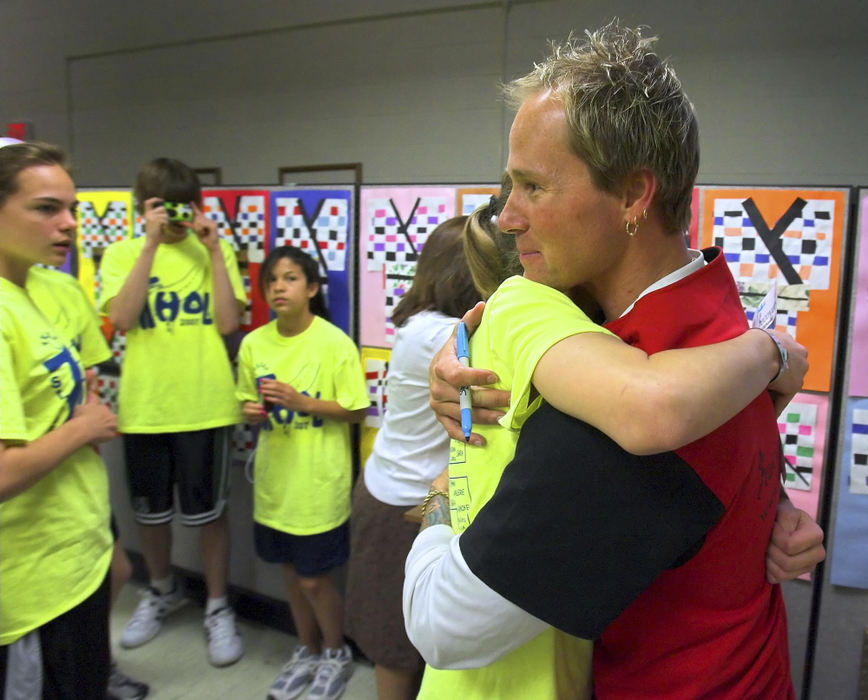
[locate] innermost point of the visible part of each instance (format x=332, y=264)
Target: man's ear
x=640, y=186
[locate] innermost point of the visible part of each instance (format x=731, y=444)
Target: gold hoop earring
x=644, y=213
x=631, y=227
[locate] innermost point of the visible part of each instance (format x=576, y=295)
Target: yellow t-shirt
x=176, y=375
x=62, y=301
x=303, y=465
x=522, y=320
x=55, y=543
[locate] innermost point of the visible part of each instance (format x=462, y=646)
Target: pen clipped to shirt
x=464, y=392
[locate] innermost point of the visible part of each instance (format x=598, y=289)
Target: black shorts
x=198, y=461
x=70, y=653
x=310, y=555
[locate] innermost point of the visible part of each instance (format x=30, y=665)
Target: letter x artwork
x=395, y=223
x=791, y=237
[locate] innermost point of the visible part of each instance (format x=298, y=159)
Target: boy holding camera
x=175, y=291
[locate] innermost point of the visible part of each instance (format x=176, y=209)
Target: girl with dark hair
x=300, y=377
x=410, y=449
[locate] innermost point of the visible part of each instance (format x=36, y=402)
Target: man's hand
x=436, y=511
x=446, y=374
x=205, y=229
x=796, y=546
x=784, y=388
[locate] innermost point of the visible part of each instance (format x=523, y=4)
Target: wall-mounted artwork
x=469, y=198
x=320, y=221
x=104, y=216
x=242, y=220
x=859, y=338
x=791, y=237
x=693, y=229
x=395, y=223
x=375, y=362
x=850, y=544
x=803, y=427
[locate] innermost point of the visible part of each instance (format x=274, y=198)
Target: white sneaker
x=225, y=645
x=296, y=674
x=332, y=674
x=148, y=616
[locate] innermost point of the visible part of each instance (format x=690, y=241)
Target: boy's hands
x=205, y=229
x=156, y=219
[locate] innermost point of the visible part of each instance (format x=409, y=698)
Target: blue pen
x=464, y=392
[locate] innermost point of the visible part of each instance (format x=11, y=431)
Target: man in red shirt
x=662, y=559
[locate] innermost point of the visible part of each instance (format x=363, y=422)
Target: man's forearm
x=453, y=618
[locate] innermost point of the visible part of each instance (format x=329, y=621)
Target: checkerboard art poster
x=375, y=362
x=242, y=220
x=849, y=563
x=469, y=198
x=803, y=427
x=693, y=228
x=395, y=222
x=103, y=216
x=794, y=236
x=320, y=222
x=859, y=337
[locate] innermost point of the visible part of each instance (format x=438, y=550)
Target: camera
x=179, y=212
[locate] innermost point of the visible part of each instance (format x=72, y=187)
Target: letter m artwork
x=242, y=220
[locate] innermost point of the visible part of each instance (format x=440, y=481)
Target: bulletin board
x=859, y=337
x=849, y=550
x=849, y=562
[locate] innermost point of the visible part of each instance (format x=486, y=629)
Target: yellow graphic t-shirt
x=55, y=543
x=62, y=301
x=176, y=375
x=303, y=464
x=521, y=321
